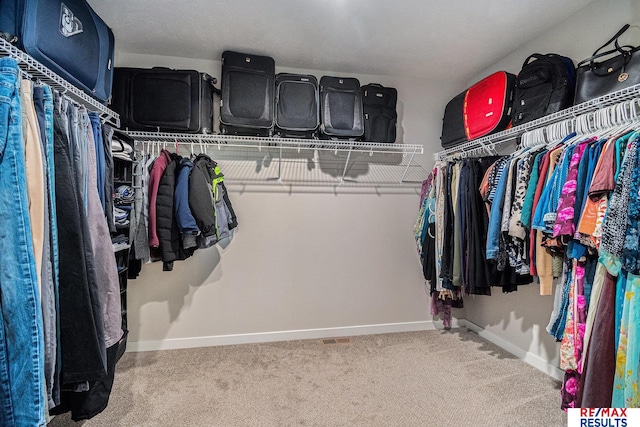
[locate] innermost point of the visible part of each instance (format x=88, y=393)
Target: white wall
x=302, y=259
x=520, y=318
x=307, y=260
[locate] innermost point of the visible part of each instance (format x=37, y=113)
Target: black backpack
x=544, y=85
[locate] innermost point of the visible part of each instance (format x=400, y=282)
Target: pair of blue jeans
x=43, y=104
x=48, y=110
x=22, y=397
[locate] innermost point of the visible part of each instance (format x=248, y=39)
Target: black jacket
x=200, y=195
x=166, y=225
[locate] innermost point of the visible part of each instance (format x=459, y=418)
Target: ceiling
x=449, y=40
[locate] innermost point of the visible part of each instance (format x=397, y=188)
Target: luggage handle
x=333, y=89
x=625, y=50
x=624, y=28
x=537, y=56
x=205, y=76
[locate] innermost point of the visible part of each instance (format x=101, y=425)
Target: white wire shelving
x=490, y=142
x=309, y=162
x=35, y=70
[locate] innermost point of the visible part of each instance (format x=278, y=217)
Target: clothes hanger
x=582, y=127
x=610, y=121
x=555, y=132
x=525, y=139
x=530, y=140
x=490, y=149
x=629, y=119
x=540, y=137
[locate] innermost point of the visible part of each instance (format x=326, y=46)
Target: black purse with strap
x=595, y=79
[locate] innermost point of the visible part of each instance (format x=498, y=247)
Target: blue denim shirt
x=495, y=218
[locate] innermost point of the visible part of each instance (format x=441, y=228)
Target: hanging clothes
x=43, y=105
x=60, y=314
x=81, y=318
x=569, y=215
x=22, y=355
x=478, y=272
x=93, y=397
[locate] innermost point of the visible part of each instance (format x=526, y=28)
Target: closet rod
x=35, y=70
x=492, y=141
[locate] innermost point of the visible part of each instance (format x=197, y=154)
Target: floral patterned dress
x=625, y=387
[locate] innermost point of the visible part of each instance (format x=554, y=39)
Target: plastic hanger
x=490, y=150
x=582, y=127
x=628, y=118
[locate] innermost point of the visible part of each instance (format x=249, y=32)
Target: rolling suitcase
x=160, y=99
x=380, y=115
x=341, y=107
x=487, y=105
x=297, y=111
x=453, y=132
x=66, y=37
x=247, y=101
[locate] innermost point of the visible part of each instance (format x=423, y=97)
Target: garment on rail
x=566, y=215
x=60, y=311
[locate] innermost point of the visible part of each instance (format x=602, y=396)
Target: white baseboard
x=303, y=334
x=528, y=357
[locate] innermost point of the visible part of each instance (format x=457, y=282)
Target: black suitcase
x=341, y=107
x=453, y=132
x=380, y=115
x=297, y=111
x=160, y=99
x=66, y=37
x=248, y=85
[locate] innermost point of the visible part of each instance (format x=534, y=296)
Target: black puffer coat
x=166, y=225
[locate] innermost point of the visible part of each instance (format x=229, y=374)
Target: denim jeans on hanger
x=48, y=111
x=48, y=295
x=83, y=352
x=22, y=398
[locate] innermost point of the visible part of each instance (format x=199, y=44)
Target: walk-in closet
x=251, y=213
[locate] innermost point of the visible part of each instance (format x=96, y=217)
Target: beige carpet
x=433, y=378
